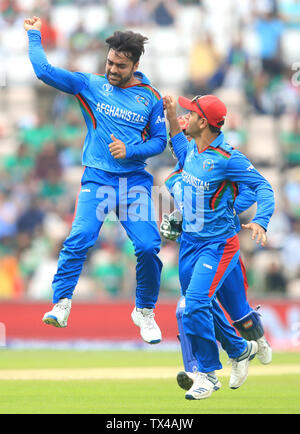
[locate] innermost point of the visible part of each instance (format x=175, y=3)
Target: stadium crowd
x=245, y=52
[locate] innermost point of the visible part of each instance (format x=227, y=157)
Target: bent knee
x=148, y=248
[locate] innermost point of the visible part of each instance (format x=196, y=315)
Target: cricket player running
x=126, y=125
x=171, y=229
x=209, y=248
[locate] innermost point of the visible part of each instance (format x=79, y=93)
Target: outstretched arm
x=61, y=79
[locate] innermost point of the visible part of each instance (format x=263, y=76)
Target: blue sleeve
x=61, y=79
x=239, y=169
x=180, y=145
x=157, y=142
x=245, y=199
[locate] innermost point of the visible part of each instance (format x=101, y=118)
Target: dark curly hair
x=129, y=43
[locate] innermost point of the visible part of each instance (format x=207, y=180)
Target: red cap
x=208, y=106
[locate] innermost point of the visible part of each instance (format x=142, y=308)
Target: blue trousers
x=130, y=198
x=203, y=269
x=226, y=335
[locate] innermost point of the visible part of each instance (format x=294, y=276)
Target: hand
x=257, y=231
x=34, y=23
x=117, y=148
x=171, y=115
x=170, y=107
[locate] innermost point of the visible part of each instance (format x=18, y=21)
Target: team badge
x=142, y=100
x=208, y=165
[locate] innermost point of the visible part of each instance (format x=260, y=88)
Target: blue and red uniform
x=135, y=116
x=209, y=256
x=232, y=298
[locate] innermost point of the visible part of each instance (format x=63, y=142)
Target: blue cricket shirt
x=213, y=177
x=133, y=114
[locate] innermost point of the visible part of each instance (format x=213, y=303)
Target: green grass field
x=45, y=382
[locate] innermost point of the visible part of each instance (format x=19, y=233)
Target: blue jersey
x=133, y=114
x=244, y=200
x=214, y=176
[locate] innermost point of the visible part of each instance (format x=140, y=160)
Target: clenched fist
x=34, y=23
x=171, y=115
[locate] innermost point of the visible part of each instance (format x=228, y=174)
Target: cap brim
x=186, y=103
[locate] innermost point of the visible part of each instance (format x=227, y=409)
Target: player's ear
x=136, y=66
x=202, y=122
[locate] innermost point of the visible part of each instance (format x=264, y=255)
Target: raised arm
x=61, y=79
x=239, y=169
x=179, y=140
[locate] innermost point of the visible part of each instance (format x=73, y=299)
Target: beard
x=118, y=80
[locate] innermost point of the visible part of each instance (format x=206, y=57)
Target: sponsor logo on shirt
x=119, y=113
x=194, y=181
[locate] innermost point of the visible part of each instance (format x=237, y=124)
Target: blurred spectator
x=40, y=283
x=37, y=135
x=235, y=66
x=47, y=163
x=234, y=132
x=32, y=218
x=204, y=65
x=8, y=216
x=269, y=28
x=9, y=6
x=49, y=33
x=289, y=140
x=275, y=279
x=134, y=14
x=19, y=165
x=292, y=193
x=10, y=278
x=164, y=12
x=190, y=2
x=291, y=252
x=289, y=10
x=272, y=95
x=51, y=187
x=80, y=40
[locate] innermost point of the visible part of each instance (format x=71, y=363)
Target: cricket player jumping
x=126, y=125
x=209, y=250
